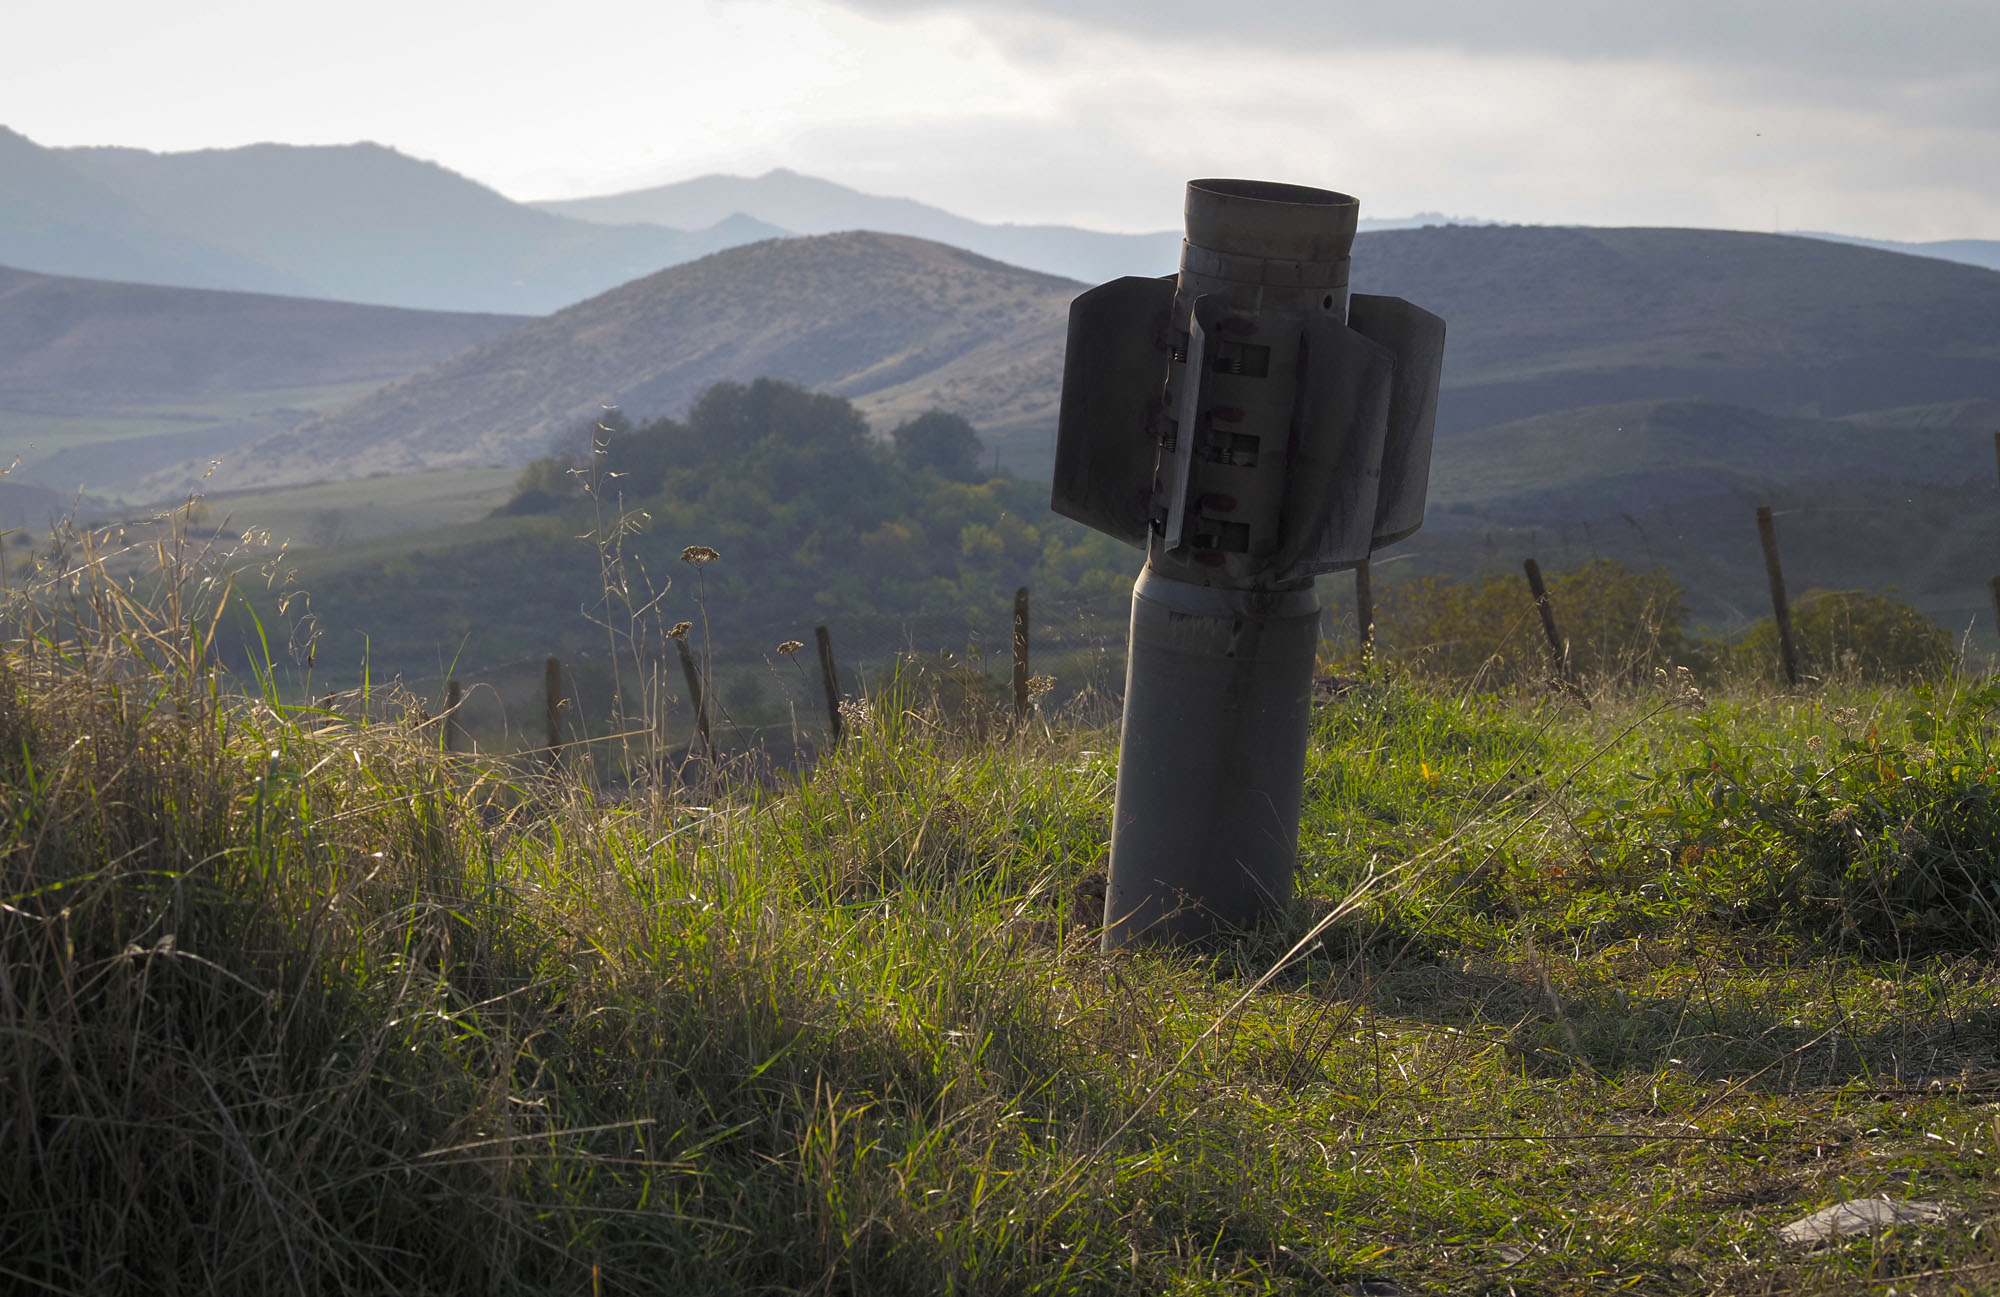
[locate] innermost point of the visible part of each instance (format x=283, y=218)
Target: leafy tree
x=813, y=514
x=944, y=443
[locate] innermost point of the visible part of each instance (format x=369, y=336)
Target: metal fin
x=1416, y=337
x=1177, y=469
x=1114, y=375
x=1340, y=425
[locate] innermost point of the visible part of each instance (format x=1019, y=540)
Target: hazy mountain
x=899, y=324
x=55, y=219
x=364, y=223
x=1542, y=320
x=808, y=205
x=1971, y=252
x=352, y=222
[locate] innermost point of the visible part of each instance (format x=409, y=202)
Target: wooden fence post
x=662, y=764
x=1781, y=610
x=1021, y=654
x=1558, y=651
x=1364, y=612
x=831, y=680
x=1993, y=587
x=552, y=708
x=697, y=697
x=454, y=733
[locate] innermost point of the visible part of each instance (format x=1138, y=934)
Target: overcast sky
x=1855, y=116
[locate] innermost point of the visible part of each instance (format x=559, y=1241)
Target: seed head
x=680, y=630
x=699, y=554
x=790, y=647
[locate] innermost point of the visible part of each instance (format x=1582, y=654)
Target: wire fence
x=774, y=702
x=764, y=691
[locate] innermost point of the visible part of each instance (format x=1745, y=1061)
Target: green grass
x=110, y=452
x=293, y=1002
x=338, y=515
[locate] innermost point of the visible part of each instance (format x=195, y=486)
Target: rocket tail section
x=1340, y=423
x=1114, y=380
x=1416, y=337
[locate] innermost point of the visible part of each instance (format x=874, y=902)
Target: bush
x=1864, y=840
x=1617, y=624
x=1849, y=635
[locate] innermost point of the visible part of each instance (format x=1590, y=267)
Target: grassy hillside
x=1574, y=465
x=103, y=383
x=151, y=452
x=1569, y=1002
x=896, y=323
x=1547, y=319
x=814, y=521
x=1936, y=544
x=340, y=514
x=68, y=343
x=1542, y=321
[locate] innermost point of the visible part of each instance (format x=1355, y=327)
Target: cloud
x=1865, y=40
x=1841, y=114
x=1849, y=115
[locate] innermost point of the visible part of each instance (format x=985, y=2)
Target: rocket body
x=1251, y=427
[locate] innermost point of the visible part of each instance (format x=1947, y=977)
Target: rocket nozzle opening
x=1264, y=218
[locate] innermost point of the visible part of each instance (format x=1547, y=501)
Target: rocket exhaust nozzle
x=1271, y=221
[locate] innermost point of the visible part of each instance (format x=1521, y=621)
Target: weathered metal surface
x=1253, y=427
x=1416, y=338
x=1107, y=435
x=1341, y=426
x=1218, y=690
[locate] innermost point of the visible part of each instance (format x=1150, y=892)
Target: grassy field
x=1570, y=1001
x=338, y=515
x=110, y=453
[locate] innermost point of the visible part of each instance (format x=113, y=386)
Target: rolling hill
x=65, y=339
x=1971, y=252
x=1552, y=318
x=101, y=383
x=1603, y=461
x=898, y=324
x=1543, y=320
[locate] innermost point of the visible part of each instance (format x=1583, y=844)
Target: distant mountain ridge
x=362, y=222
x=809, y=205
x=356, y=222
x=1970, y=252
x=56, y=220
x=1542, y=320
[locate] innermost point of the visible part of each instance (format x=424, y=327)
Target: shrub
x=1849, y=635
x=1867, y=841
x=1618, y=624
